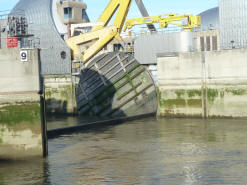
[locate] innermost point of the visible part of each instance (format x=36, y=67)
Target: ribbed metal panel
x=233, y=23
x=210, y=19
x=41, y=24
x=115, y=85
x=148, y=46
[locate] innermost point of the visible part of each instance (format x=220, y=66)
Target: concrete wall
x=59, y=95
x=17, y=76
x=21, y=133
x=203, y=84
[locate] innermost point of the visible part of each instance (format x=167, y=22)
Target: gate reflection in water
x=148, y=151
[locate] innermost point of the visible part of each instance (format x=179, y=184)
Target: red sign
x=12, y=42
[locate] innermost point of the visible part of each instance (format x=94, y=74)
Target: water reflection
x=149, y=151
x=22, y=172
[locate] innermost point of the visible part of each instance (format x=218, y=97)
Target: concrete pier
x=22, y=122
x=60, y=95
x=203, y=84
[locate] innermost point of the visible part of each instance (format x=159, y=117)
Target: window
x=84, y=15
x=117, y=47
x=63, y=55
x=67, y=12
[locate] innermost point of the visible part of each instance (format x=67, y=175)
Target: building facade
x=49, y=30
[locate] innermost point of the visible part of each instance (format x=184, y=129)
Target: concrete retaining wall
x=60, y=95
x=21, y=131
x=203, y=84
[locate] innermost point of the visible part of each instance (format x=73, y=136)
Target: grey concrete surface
x=18, y=76
x=21, y=131
x=203, y=84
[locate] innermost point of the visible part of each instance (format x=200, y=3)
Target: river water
x=147, y=151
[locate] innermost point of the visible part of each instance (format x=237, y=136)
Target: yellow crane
x=99, y=36
x=85, y=46
x=187, y=22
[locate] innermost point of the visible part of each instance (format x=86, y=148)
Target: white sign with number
x=23, y=55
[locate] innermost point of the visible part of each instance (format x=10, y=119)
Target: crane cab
x=72, y=11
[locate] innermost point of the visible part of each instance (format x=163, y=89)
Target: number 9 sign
x=23, y=55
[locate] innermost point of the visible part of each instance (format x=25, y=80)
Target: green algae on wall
x=60, y=99
x=180, y=93
x=194, y=93
x=188, y=93
x=236, y=92
x=183, y=98
x=16, y=114
x=212, y=94
x=178, y=103
x=196, y=103
x=169, y=103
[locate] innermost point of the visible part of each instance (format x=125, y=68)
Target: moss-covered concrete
x=194, y=93
x=218, y=78
x=169, y=103
x=20, y=130
x=180, y=102
x=196, y=103
x=20, y=106
x=180, y=93
x=60, y=95
x=236, y=92
x=212, y=94
x=221, y=102
x=17, y=114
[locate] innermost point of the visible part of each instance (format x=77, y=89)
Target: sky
x=154, y=7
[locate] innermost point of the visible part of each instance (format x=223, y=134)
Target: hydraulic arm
x=190, y=21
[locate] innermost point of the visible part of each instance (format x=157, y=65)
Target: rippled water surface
x=148, y=151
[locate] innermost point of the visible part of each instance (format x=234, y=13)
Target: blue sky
x=155, y=7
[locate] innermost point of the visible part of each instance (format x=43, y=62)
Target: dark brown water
x=148, y=151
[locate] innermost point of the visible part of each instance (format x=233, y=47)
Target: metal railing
x=8, y=28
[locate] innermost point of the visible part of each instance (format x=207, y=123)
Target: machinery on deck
x=112, y=84
x=188, y=21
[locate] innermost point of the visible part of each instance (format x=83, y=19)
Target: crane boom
x=165, y=20
x=103, y=34
x=144, y=13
